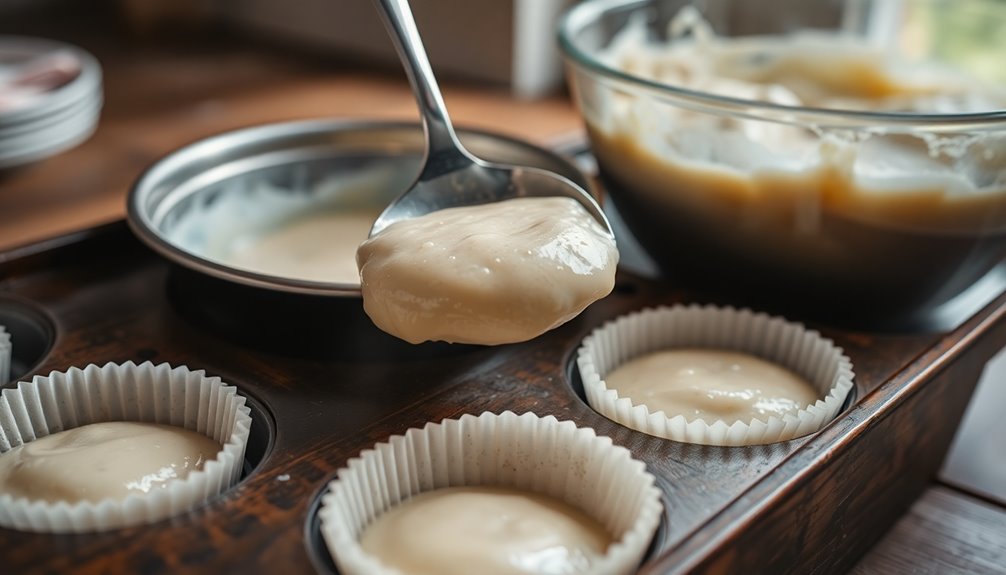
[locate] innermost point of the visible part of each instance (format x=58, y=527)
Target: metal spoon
x=451, y=175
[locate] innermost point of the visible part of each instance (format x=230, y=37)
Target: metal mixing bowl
x=296, y=157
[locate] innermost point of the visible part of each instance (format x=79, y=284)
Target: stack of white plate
x=50, y=98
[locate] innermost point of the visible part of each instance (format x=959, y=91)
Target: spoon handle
x=441, y=139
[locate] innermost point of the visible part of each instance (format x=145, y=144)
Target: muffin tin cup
x=528, y=452
x=6, y=354
x=774, y=339
x=147, y=393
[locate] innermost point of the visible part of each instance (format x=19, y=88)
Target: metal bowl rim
x=143, y=227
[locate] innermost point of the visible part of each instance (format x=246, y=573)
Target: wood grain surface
x=945, y=532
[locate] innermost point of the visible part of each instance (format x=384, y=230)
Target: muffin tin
x=812, y=503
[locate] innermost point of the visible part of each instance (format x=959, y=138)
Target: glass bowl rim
x=587, y=12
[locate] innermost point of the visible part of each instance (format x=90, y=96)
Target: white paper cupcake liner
x=539, y=454
x=6, y=353
x=145, y=393
x=774, y=339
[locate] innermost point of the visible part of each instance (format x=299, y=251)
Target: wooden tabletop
x=946, y=531
x=162, y=95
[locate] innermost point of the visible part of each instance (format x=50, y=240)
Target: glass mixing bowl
x=785, y=197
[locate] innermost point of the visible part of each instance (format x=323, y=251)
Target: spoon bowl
x=451, y=175
x=479, y=182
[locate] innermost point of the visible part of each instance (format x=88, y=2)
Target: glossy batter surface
x=485, y=530
x=490, y=274
x=711, y=385
x=316, y=247
x=103, y=460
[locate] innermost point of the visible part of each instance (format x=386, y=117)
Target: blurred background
x=176, y=72
x=503, y=42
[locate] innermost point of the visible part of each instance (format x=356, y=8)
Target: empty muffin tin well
x=32, y=334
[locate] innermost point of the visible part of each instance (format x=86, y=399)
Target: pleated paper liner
x=774, y=339
x=526, y=452
x=148, y=393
